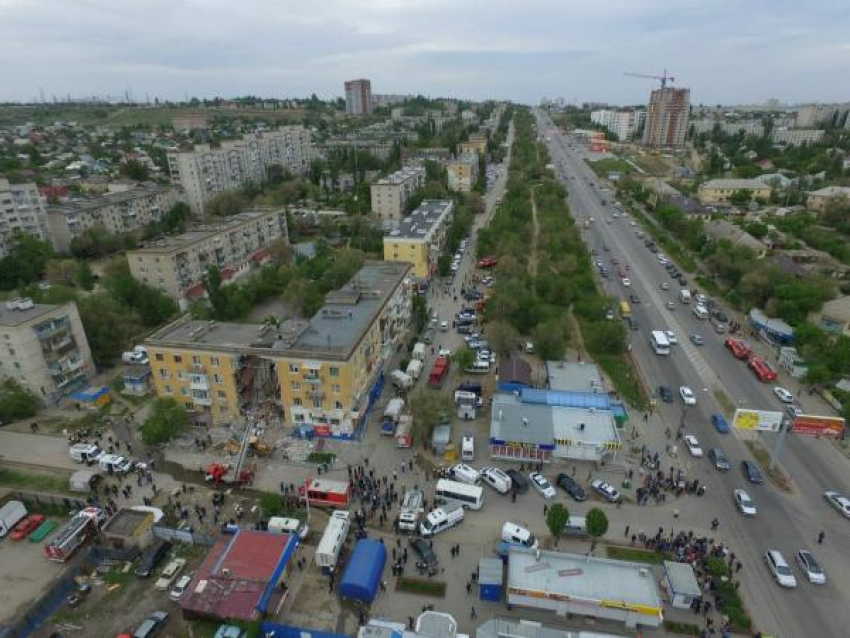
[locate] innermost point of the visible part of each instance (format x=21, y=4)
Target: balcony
x=199, y=382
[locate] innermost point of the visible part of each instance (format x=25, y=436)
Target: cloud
x=725, y=50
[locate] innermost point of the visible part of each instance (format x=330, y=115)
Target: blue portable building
x=363, y=573
x=490, y=579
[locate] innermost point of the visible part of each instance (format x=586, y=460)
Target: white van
x=85, y=452
x=497, y=479
x=419, y=351
x=400, y=380
x=441, y=519
x=700, y=312
x=291, y=526
x=465, y=474
x=576, y=526
x=114, y=464
x=479, y=367
x=467, y=448
x=685, y=296
x=518, y=535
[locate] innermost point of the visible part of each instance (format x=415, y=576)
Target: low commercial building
x=819, y=199
x=721, y=229
x=834, y=316
x=118, y=213
x=129, y=529
x=391, y=194
x=505, y=628
x=23, y=209
x=177, y=265
x=419, y=237
x=327, y=371
x=463, y=172
x=44, y=348
x=719, y=191
x=574, y=376
x=585, y=585
x=533, y=427
x=241, y=577
x=681, y=584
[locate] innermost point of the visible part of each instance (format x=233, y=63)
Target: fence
x=36, y=499
x=184, y=536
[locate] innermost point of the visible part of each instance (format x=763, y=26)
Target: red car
x=26, y=526
x=487, y=262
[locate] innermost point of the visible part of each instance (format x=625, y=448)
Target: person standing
x=821, y=536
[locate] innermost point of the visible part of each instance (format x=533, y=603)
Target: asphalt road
x=784, y=522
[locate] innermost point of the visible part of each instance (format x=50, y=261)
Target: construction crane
x=661, y=78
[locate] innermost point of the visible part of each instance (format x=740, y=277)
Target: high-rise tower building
x=358, y=97
x=667, y=117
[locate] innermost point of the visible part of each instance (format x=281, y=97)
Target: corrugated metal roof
x=490, y=571
x=586, y=400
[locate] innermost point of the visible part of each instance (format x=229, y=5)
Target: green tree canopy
x=597, y=525
x=167, y=420
x=464, y=357
x=556, y=519
x=15, y=402
x=135, y=170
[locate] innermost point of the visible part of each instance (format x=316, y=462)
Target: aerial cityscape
x=424, y=320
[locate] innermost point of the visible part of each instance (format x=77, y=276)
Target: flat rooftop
x=18, y=317
x=574, y=375
x=400, y=176
x=108, y=199
x=577, y=576
x=214, y=334
x=420, y=223
x=197, y=235
x=126, y=522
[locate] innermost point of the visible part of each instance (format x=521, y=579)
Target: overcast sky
x=725, y=51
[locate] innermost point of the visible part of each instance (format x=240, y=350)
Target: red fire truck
x=439, y=372
x=738, y=347
x=73, y=534
x=487, y=262
x=326, y=493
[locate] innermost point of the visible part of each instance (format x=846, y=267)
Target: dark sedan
x=665, y=393
x=423, y=549
x=571, y=487
x=752, y=472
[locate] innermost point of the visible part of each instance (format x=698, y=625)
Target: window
x=214, y=361
x=158, y=356
x=184, y=392
x=178, y=358
x=296, y=401
x=296, y=385
x=167, y=389
x=217, y=378
x=188, y=405
x=221, y=394
x=336, y=389
x=17, y=366
x=317, y=403
x=164, y=374
x=196, y=360
x=338, y=405
x=293, y=368
x=334, y=372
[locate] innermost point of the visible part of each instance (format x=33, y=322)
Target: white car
x=181, y=587
x=665, y=286
x=671, y=337
x=780, y=568
x=839, y=502
x=810, y=567
x=687, y=395
x=693, y=445
x=445, y=352
x=783, y=394
x=605, y=490
x=744, y=503
x=542, y=485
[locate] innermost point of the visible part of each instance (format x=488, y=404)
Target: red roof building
x=241, y=578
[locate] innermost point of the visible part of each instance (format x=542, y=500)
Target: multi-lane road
x=786, y=522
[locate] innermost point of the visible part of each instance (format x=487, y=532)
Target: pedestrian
x=472, y=613
x=383, y=585
x=468, y=587
x=738, y=566
x=821, y=536
x=627, y=532
x=545, y=509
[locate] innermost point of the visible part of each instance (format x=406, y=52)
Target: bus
x=659, y=342
x=625, y=309
x=471, y=496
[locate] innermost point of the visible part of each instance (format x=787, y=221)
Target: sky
x=725, y=51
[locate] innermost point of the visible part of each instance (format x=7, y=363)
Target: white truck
x=411, y=508
x=441, y=519
x=400, y=380
x=85, y=453
x=414, y=369
x=685, y=296
x=419, y=352
x=327, y=552
x=10, y=514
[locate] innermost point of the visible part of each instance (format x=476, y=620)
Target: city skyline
x=577, y=50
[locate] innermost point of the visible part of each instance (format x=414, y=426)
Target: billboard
x=827, y=426
x=758, y=420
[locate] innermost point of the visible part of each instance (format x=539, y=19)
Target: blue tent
x=363, y=573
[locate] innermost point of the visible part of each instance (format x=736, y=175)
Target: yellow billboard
x=758, y=420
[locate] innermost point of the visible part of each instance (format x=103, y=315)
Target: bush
x=16, y=402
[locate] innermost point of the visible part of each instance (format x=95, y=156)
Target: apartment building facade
x=623, y=123
x=119, y=213
x=748, y=127
x=323, y=373
x=44, y=348
x=23, y=209
x=720, y=191
x=358, y=97
x=419, y=238
x=818, y=200
x=463, y=172
x=475, y=144
x=797, y=136
x=205, y=171
x=391, y=194
x=177, y=265
x=667, y=118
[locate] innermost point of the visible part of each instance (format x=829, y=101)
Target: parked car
x=571, y=487
x=720, y=424
x=151, y=625
x=719, y=460
x=518, y=480
x=424, y=551
x=696, y=339
x=605, y=490
x=752, y=472
x=839, y=502
x=744, y=503
x=152, y=557
x=780, y=568
x=810, y=567
x=693, y=445
x=181, y=587
x=542, y=485
x=783, y=394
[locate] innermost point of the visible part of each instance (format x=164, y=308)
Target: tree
x=550, y=339
x=464, y=357
x=16, y=402
x=741, y=197
x=25, y=260
x=135, y=170
x=62, y=272
x=215, y=293
x=226, y=203
x=444, y=265
x=420, y=312
x=109, y=326
x=167, y=420
x=556, y=519
x=502, y=337
x=428, y=409
x=86, y=279
x=597, y=525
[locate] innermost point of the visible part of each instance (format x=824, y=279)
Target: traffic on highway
x=686, y=349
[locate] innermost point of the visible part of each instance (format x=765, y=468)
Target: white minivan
x=497, y=479
x=518, y=535
x=465, y=474
x=114, y=464
x=290, y=526
x=467, y=448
